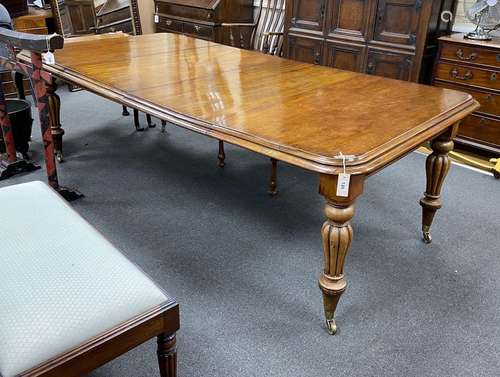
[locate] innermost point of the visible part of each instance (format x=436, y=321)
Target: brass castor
x=331, y=326
x=427, y=237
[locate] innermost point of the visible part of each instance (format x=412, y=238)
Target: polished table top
x=296, y=112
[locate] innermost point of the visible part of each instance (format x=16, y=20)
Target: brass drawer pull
x=493, y=77
x=456, y=74
x=461, y=56
x=488, y=98
x=482, y=122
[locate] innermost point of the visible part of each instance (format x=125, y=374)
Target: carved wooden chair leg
x=150, y=122
x=222, y=155
x=273, y=180
x=437, y=167
x=125, y=112
x=137, y=123
x=163, y=125
x=167, y=355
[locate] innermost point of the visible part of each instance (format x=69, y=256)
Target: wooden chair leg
x=167, y=355
x=137, y=124
x=273, y=180
x=150, y=122
x=222, y=155
x=125, y=112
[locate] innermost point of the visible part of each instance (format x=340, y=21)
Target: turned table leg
x=54, y=103
x=167, y=355
x=273, y=180
x=221, y=157
x=437, y=167
x=336, y=234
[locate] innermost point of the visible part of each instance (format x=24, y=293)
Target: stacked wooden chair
x=267, y=37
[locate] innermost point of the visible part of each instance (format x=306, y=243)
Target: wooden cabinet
x=308, y=15
x=348, y=56
x=202, y=18
x=391, y=38
x=81, y=16
x=391, y=64
x=397, y=21
x=473, y=67
x=308, y=50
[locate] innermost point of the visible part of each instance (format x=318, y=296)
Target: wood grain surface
x=295, y=112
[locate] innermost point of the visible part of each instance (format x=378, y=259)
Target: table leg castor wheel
x=331, y=326
x=427, y=237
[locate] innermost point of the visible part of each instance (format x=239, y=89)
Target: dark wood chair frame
x=267, y=32
x=161, y=322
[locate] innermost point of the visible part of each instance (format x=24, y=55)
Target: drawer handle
x=493, y=76
x=482, y=122
x=461, y=56
x=197, y=28
x=488, y=98
x=456, y=74
x=168, y=22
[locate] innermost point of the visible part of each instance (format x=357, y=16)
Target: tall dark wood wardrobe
x=391, y=38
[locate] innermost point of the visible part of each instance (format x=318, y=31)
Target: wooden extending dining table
x=342, y=125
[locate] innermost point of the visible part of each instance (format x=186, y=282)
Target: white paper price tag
x=157, y=19
x=343, y=185
x=49, y=58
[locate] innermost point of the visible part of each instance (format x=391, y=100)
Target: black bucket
x=20, y=117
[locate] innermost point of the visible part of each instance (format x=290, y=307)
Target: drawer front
x=125, y=27
x=480, y=128
x=170, y=24
x=468, y=76
x=198, y=31
x=186, y=12
x=490, y=102
x=29, y=23
x=465, y=54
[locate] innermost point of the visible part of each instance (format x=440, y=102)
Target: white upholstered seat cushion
x=61, y=282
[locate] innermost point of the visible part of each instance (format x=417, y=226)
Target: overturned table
x=343, y=125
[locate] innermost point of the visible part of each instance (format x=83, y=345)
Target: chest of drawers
x=473, y=67
x=202, y=18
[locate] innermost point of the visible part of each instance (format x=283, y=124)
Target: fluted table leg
x=336, y=234
x=437, y=167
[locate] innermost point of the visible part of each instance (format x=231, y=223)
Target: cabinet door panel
x=389, y=64
x=308, y=50
x=308, y=15
x=345, y=56
x=397, y=21
x=349, y=17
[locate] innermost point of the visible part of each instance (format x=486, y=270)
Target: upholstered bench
x=72, y=302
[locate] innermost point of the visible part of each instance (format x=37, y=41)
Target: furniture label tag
x=49, y=58
x=343, y=185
